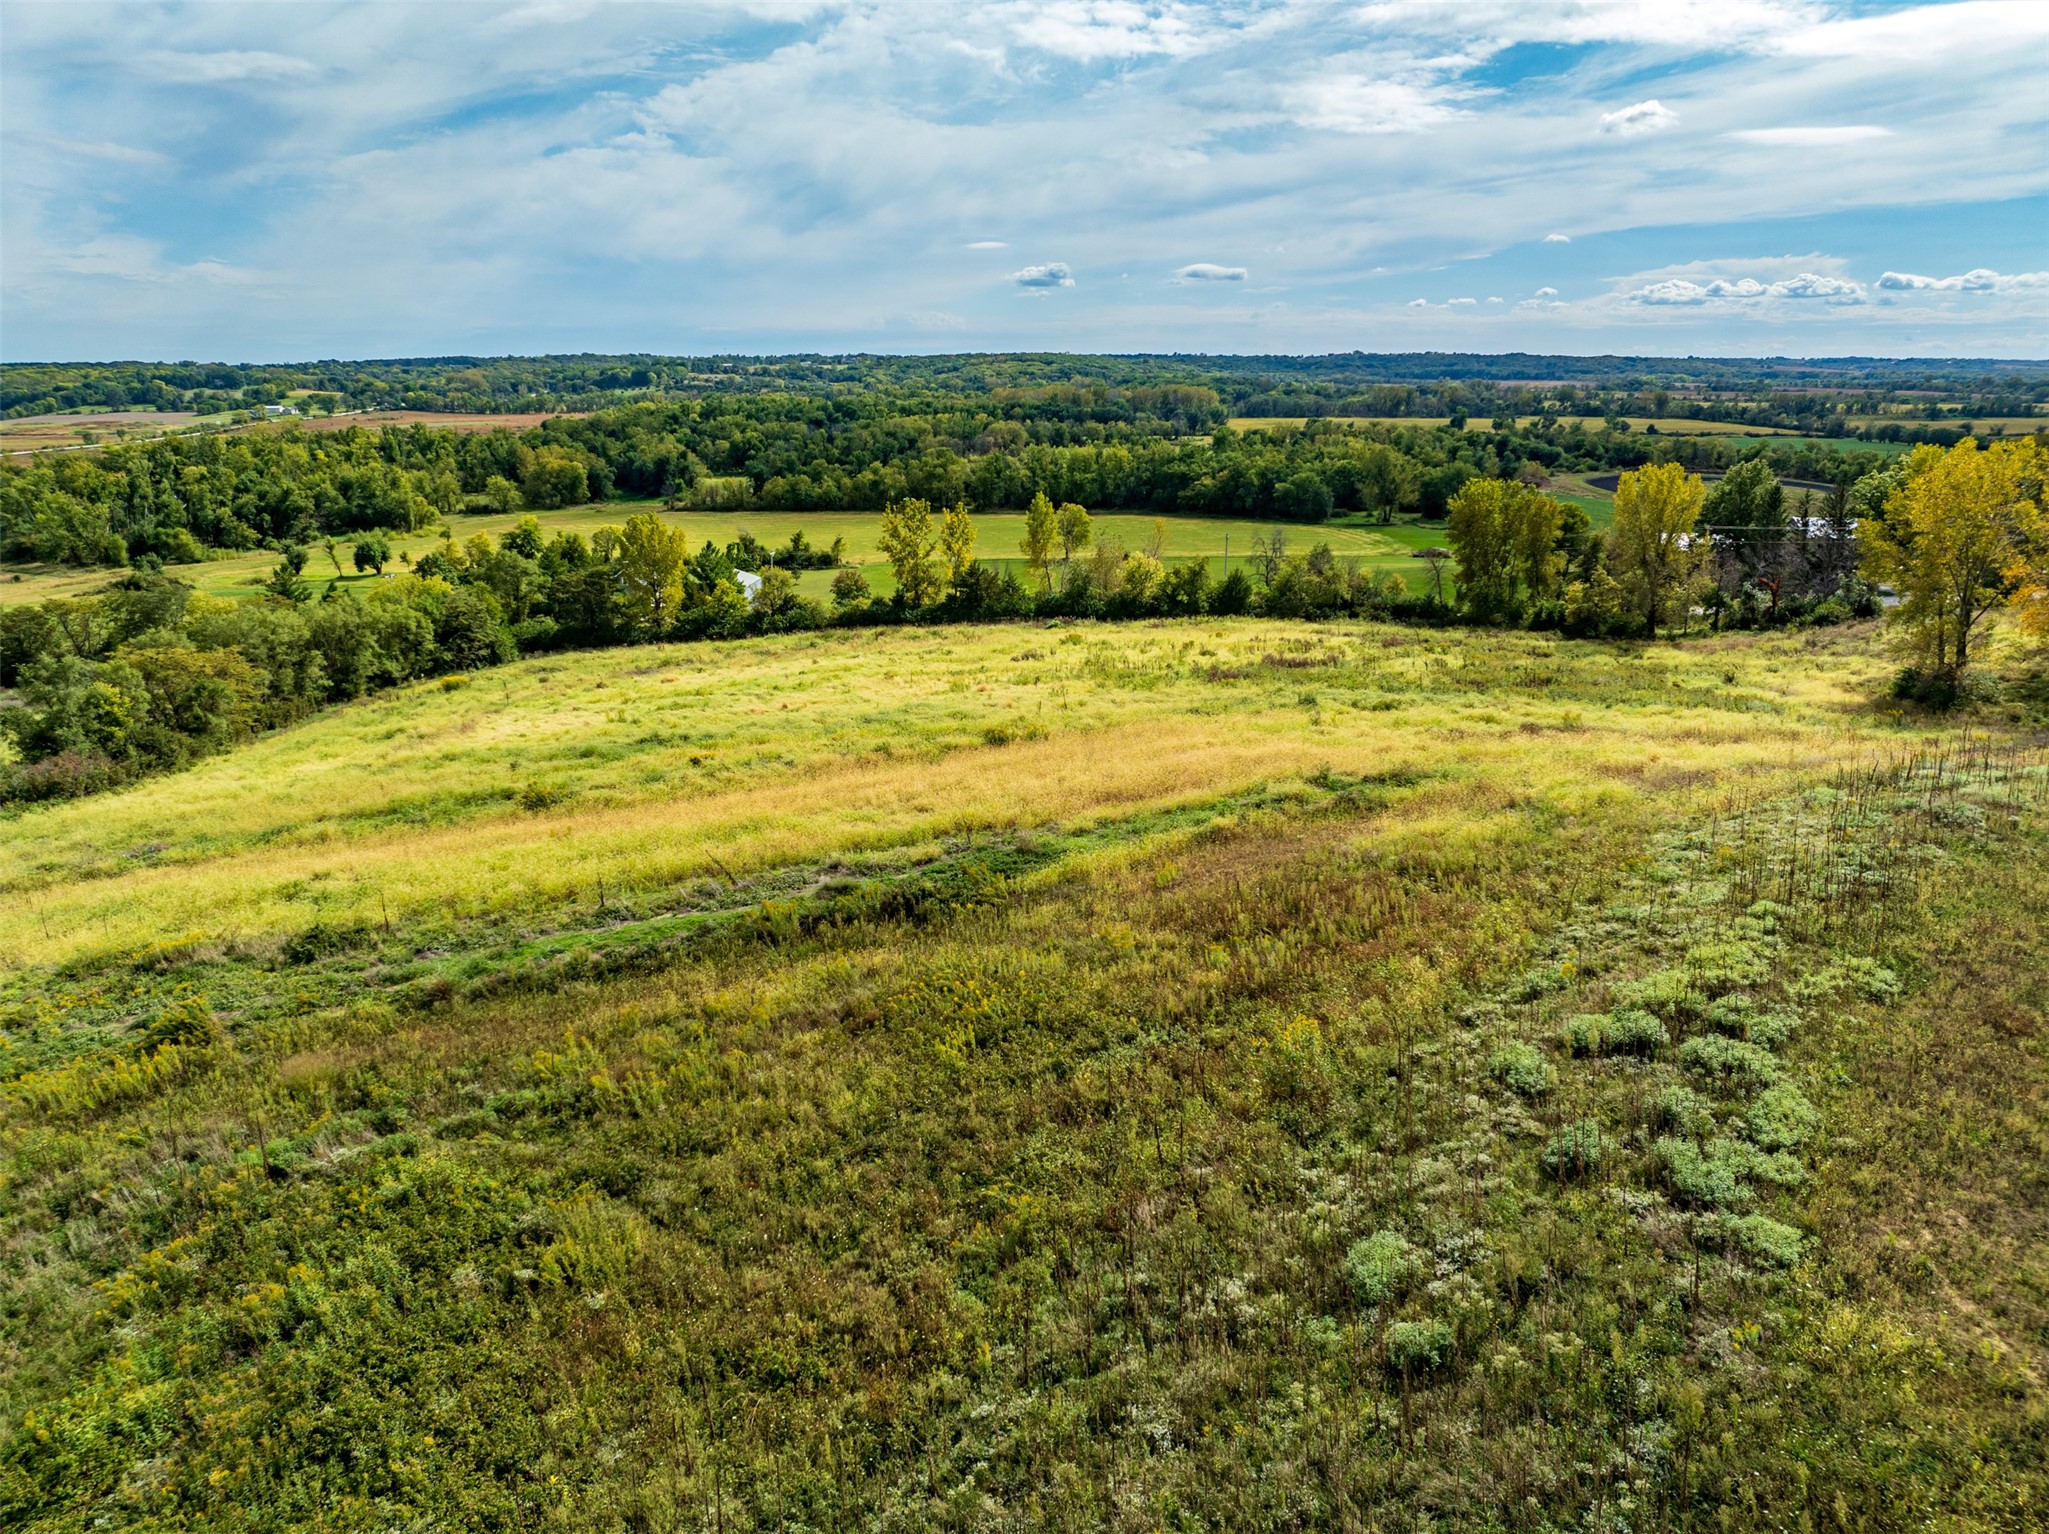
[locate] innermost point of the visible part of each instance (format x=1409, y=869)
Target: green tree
x=1746, y=510
x=501, y=492
x=1042, y=527
x=651, y=557
x=1504, y=536
x=373, y=552
x=1653, y=551
x=957, y=542
x=909, y=541
x=524, y=539
x=1075, y=531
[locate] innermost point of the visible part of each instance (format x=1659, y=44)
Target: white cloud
x=1804, y=285
x=1644, y=117
x=1547, y=293
x=1557, y=239
x=222, y=68
x=1053, y=274
x=1209, y=271
x=1812, y=138
x=1494, y=300
x=986, y=245
x=1357, y=103
x=1418, y=303
x=1091, y=30
x=1978, y=280
x=1455, y=302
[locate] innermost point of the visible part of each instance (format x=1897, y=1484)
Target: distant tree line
x=149, y=674
x=1162, y=449
x=1808, y=394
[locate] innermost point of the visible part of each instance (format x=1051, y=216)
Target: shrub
x=1381, y=1266
x=1669, y=992
x=1732, y=1061
x=1577, y=1150
x=1712, y=1178
x=1632, y=1031
x=1740, y=1017
x=1781, y=1119
x=1682, y=1109
x=1414, y=1347
x=1763, y=1238
x=1523, y=1069
x=1625, y=1031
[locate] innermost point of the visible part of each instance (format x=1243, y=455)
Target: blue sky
x=297, y=179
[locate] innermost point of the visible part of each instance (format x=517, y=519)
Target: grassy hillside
x=1202, y=1075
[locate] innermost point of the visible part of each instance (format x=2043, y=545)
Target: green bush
x=1577, y=1150
x=1581, y=1034
x=1732, y=1061
x=1741, y=1017
x=1763, y=1238
x=1782, y=1119
x=1712, y=1178
x=1381, y=1266
x=1669, y=992
x=1523, y=1069
x=1415, y=1347
x=1632, y=1031
x=1682, y=1109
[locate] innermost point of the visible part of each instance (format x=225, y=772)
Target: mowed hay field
x=1220, y=1074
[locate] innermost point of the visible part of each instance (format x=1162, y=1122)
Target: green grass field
x=998, y=536
x=1189, y=1075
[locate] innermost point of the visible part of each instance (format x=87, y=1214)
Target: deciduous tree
x=1654, y=552
x=651, y=557
x=1953, y=541
x=908, y=542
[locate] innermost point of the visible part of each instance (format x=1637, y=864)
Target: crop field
x=1671, y=426
x=1200, y=1074
x=997, y=539
x=31, y=433
x=441, y=419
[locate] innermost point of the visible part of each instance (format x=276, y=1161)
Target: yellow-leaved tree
x=1653, y=549
x=1956, y=539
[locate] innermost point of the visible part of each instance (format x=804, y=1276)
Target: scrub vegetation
x=1205, y=1073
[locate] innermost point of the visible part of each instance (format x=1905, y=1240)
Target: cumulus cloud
x=1418, y=303
x=986, y=245
x=1209, y=271
x=1053, y=274
x=222, y=68
x=1812, y=138
x=1979, y=279
x=1449, y=302
x=1644, y=117
x=1547, y=293
x=1805, y=285
x=1557, y=239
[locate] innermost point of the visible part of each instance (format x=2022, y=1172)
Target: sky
x=272, y=180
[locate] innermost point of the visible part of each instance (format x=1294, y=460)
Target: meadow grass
x=658, y=763
x=1083, y=1113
